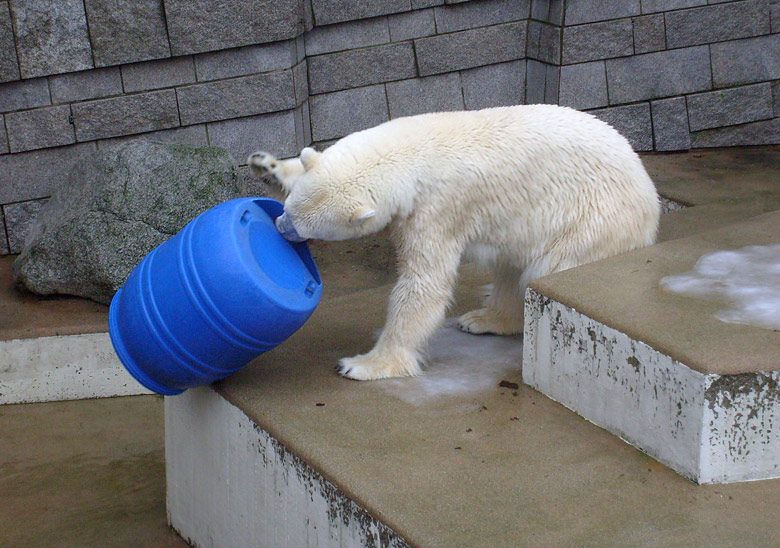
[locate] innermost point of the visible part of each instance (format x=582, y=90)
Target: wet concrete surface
x=91, y=473
x=707, y=176
x=87, y=473
x=26, y=316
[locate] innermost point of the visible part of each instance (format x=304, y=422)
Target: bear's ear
x=361, y=215
x=309, y=158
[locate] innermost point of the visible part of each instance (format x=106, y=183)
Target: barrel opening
x=275, y=208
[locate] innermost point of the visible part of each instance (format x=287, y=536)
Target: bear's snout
x=286, y=228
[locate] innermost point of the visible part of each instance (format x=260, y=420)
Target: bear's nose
x=286, y=228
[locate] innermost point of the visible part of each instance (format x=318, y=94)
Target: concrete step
x=287, y=453
x=84, y=474
x=56, y=348
x=659, y=369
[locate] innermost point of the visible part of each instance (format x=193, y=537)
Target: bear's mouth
x=286, y=228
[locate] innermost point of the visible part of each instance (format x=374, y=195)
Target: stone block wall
x=675, y=74
x=83, y=75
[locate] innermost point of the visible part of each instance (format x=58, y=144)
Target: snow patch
x=748, y=279
x=460, y=363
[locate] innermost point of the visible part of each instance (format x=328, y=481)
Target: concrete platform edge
x=708, y=428
x=69, y=367
x=231, y=484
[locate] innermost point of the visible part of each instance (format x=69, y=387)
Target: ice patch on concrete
x=748, y=279
x=460, y=363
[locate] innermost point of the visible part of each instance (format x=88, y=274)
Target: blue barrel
x=225, y=289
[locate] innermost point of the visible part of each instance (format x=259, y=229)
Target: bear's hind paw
x=371, y=366
x=485, y=320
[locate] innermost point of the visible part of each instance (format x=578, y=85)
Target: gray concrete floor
x=91, y=473
x=87, y=473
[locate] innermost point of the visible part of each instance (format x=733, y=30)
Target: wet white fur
x=525, y=191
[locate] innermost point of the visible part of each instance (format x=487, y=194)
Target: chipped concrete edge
x=741, y=434
x=668, y=205
x=708, y=428
x=231, y=484
x=67, y=367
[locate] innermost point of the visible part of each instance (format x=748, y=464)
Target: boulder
x=113, y=209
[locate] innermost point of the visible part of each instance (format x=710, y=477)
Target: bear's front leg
x=416, y=309
x=380, y=364
x=277, y=174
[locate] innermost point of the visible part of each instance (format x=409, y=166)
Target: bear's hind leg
x=503, y=307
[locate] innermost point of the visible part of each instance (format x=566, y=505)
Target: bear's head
x=332, y=199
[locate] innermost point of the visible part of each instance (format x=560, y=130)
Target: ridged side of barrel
x=222, y=291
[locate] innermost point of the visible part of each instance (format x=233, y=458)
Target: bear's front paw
x=264, y=166
x=486, y=320
x=372, y=366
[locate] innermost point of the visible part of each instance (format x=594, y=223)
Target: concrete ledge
x=230, y=481
x=709, y=428
x=657, y=369
x=71, y=367
x=56, y=348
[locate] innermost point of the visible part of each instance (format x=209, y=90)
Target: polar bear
x=525, y=191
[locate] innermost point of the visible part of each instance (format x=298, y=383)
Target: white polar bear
x=525, y=190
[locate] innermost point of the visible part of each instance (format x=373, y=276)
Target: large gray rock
x=116, y=207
